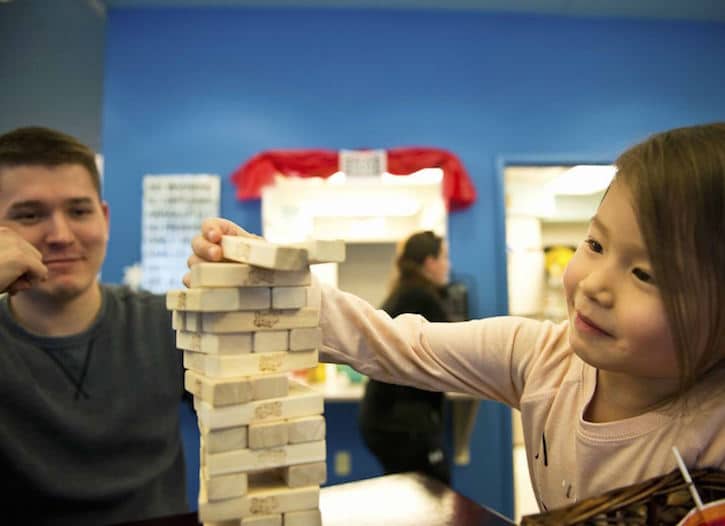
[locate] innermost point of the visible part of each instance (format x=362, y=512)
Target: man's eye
x=643, y=275
x=79, y=212
x=594, y=245
x=24, y=217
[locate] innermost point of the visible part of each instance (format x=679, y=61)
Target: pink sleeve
x=491, y=358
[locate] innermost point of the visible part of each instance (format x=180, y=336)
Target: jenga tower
x=243, y=326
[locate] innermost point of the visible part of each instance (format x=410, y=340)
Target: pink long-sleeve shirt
x=530, y=366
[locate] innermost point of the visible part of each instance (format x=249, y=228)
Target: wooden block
x=305, y=429
x=207, y=274
x=258, y=502
x=268, y=434
x=244, y=460
x=177, y=320
x=271, y=341
x=289, y=297
x=229, y=343
x=230, y=522
x=311, y=517
x=230, y=365
x=261, y=253
x=248, y=321
x=236, y=390
x=224, y=486
x=262, y=520
x=323, y=250
x=301, y=475
x=300, y=401
x=192, y=322
x=305, y=338
x=220, y=440
x=219, y=299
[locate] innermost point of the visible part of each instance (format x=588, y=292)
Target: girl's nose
x=598, y=287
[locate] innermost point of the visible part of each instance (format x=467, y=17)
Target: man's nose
x=59, y=229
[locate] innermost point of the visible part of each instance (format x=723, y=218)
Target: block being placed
x=311, y=517
x=305, y=429
x=268, y=434
x=260, y=501
x=301, y=475
x=223, y=274
x=231, y=365
x=289, y=297
x=300, y=401
x=323, y=250
x=248, y=321
x=261, y=253
x=271, y=341
x=245, y=460
x=235, y=390
x=229, y=343
x=305, y=338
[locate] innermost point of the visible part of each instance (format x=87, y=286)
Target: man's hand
x=207, y=244
x=21, y=264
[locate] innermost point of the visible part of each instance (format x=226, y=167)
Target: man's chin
x=60, y=292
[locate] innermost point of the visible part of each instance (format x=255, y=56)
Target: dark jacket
x=388, y=407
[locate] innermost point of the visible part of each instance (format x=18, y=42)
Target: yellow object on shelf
x=316, y=374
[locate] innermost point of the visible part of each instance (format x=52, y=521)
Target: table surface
x=399, y=500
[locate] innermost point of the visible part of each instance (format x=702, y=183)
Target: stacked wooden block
x=243, y=326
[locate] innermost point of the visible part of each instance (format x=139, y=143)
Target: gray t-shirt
x=89, y=423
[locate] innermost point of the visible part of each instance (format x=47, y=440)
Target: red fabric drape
x=259, y=171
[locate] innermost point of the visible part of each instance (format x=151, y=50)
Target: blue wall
x=201, y=90
x=51, y=66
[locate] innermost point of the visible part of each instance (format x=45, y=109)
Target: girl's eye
x=642, y=275
x=594, y=245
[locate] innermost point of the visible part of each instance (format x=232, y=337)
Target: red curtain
x=259, y=171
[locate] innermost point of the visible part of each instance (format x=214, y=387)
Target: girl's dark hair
x=412, y=255
x=677, y=180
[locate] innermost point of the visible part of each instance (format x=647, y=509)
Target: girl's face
x=616, y=316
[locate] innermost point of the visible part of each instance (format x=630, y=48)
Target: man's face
x=57, y=210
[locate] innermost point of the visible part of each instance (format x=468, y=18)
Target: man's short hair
x=35, y=145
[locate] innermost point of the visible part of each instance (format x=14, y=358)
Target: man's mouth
x=61, y=260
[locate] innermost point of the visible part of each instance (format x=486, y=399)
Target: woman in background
x=404, y=426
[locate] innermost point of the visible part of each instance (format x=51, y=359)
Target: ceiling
x=704, y=10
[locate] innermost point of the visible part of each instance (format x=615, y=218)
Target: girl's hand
x=206, y=246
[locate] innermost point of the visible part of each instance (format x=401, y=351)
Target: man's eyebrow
x=80, y=201
x=33, y=203
x=26, y=204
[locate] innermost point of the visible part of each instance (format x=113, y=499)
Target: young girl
x=638, y=366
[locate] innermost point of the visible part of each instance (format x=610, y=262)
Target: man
x=90, y=379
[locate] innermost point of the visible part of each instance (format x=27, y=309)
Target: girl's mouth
x=585, y=325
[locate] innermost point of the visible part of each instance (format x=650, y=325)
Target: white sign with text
x=173, y=208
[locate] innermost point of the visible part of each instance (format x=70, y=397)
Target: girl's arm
x=489, y=358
